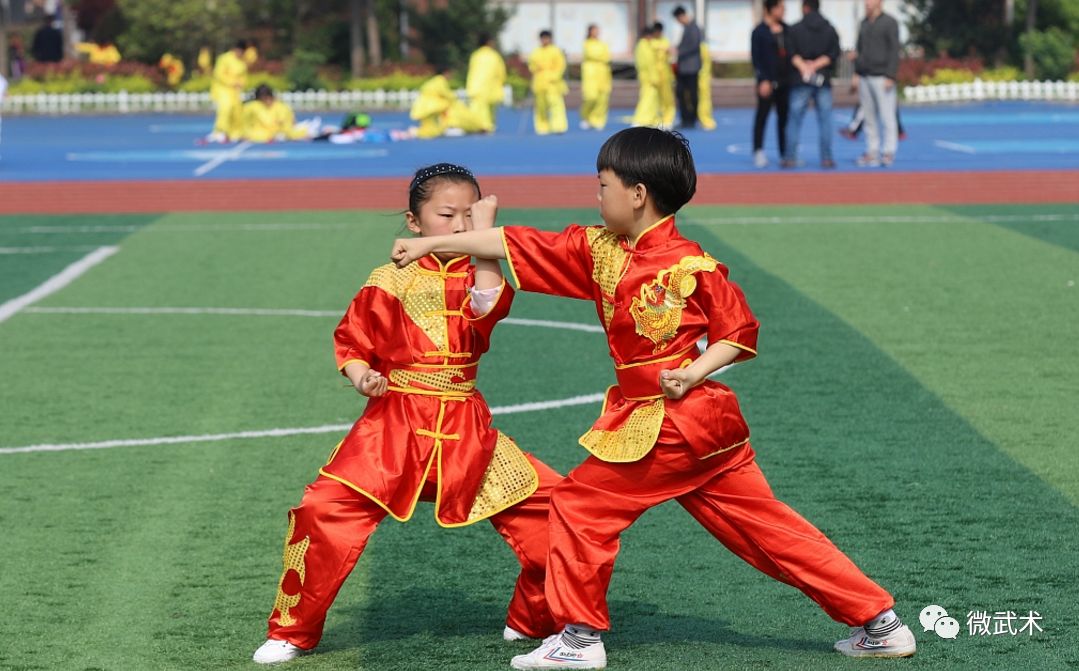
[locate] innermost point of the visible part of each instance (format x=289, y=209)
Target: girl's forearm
x=715, y=357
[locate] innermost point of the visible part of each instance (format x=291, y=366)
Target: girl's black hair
x=425, y=179
x=659, y=159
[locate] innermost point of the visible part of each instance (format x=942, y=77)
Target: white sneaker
x=900, y=643
x=759, y=159
x=511, y=634
x=584, y=125
x=274, y=651
x=555, y=653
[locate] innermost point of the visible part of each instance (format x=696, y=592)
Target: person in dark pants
x=814, y=47
x=771, y=65
x=48, y=44
x=689, y=67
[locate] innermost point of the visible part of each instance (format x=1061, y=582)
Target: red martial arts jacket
x=415, y=326
x=655, y=299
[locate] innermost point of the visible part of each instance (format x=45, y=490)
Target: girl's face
x=447, y=211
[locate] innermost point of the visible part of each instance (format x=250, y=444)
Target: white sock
x=582, y=633
x=883, y=624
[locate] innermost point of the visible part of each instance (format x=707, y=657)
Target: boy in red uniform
x=411, y=342
x=666, y=431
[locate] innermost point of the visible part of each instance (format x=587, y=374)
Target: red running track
x=880, y=187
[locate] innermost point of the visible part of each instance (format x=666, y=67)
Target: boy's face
x=617, y=202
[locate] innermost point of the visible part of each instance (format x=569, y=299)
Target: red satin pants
x=728, y=495
x=331, y=527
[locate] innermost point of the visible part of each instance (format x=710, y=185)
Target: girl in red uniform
x=666, y=431
x=411, y=341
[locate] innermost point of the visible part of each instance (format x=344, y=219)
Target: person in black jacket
x=771, y=64
x=48, y=44
x=814, y=46
x=687, y=88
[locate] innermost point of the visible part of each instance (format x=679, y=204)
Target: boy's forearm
x=486, y=244
x=715, y=357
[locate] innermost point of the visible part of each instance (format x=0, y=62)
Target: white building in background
x=727, y=23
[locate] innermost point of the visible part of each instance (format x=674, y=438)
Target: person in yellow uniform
x=644, y=57
x=267, y=119
x=173, y=68
x=205, y=61
x=548, y=67
x=229, y=81
x=704, y=90
x=251, y=54
x=664, y=75
x=595, y=81
x=105, y=53
x=486, y=77
x=440, y=112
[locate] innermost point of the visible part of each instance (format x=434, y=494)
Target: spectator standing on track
x=229, y=81
x=48, y=44
x=486, y=77
x=644, y=58
x=771, y=65
x=3, y=92
x=814, y=48
x=595, y=81
x=661, y=46
x=687, y=89
x=16, y=58
x=875, y=69
x=704, y=90
x=548, y=67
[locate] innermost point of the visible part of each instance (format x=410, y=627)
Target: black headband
x=437, y=170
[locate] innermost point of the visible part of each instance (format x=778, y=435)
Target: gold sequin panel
x=608, y=266
x=451, y=380
x=421, y=294
x=509, y=479
x=294, y=561
x=630, y=441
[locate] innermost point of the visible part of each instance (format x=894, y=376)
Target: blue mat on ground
x=987, y=136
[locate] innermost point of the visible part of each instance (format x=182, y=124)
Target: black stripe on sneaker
x=576, y=641
x=882, y=631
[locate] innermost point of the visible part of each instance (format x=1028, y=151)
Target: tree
x=447, y=35
x=177, y=26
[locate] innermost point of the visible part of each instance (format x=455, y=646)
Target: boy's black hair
x=659, y=159
x=657, y=28
x=425, y=179
x=813, y=5
x=678, y=11
x=483, y=39
x=771, y=4
x=545, y=33
x=263, y=90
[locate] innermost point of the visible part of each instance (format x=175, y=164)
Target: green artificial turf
x=930, y=443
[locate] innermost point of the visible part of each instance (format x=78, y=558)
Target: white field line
x=955, y=146
x=275, y=433
x=270, y=312
x=190, y=228
x=56, y=282
x=230, y=155
x=44, y=250
x=689, y=219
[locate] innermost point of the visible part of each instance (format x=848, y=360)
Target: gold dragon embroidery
x=657, y=311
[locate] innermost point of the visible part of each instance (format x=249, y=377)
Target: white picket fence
x=979, y=90
x=180, y=101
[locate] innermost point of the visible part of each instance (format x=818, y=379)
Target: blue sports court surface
x=986, y=136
